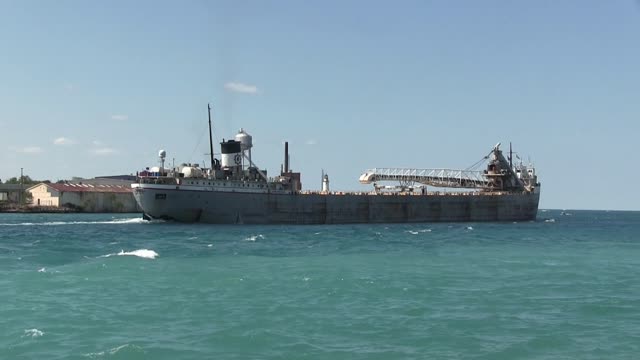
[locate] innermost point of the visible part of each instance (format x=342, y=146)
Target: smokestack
x=286, y=156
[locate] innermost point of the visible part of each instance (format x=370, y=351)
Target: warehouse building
x=85, y=197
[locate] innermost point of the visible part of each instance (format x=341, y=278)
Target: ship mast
x=210, y=136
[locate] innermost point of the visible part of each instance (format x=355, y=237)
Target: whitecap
x=425, y=230
x=254, y=237
x=469, y=227
x=553, y=263
x=550, y=220
x=210, y=245
x=413, y=232
x=42, y=270
x=143, y=253
x=33, y=333
x=306, y=278
x=113, y=351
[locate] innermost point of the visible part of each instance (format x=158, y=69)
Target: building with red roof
x=87, y=197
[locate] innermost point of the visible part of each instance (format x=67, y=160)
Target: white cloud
x=97, y=142
x=103, y=151
x=69, y=87
x=63, y=141
x=311, y=142
x=241, y=88
x=119, y=117
x=26, y=149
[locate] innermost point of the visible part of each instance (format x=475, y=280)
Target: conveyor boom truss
x=433, y=177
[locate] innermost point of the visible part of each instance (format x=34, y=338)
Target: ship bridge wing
x=433, y=177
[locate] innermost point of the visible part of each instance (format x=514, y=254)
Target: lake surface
x=104, y=286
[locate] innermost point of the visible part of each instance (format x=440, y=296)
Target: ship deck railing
x=164, y=180
x=398, y=193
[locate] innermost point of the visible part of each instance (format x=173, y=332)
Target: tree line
x=26, y=180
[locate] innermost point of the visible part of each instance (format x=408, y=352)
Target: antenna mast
x=210, y=136
x=510, y=156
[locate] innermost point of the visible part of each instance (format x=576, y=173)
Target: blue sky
x=94, y=88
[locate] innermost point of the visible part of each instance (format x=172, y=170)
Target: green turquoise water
x=90, y=287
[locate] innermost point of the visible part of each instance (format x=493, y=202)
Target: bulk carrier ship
x=234, y=190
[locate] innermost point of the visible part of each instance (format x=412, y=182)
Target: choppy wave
x=136, y=220
x=143, y=253
x=368, y=277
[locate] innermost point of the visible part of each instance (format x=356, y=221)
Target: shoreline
x=28, y=209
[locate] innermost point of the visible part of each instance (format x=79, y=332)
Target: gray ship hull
x=298, y=208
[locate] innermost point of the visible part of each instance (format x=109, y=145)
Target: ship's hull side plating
x=165, y=202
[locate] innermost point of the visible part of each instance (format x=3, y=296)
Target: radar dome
x=162, y=154
x=246, y=141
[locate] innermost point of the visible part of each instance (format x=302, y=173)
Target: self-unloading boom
x=434, y=177
x=499, y=175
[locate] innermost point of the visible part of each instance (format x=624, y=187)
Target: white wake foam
x=137, y=220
